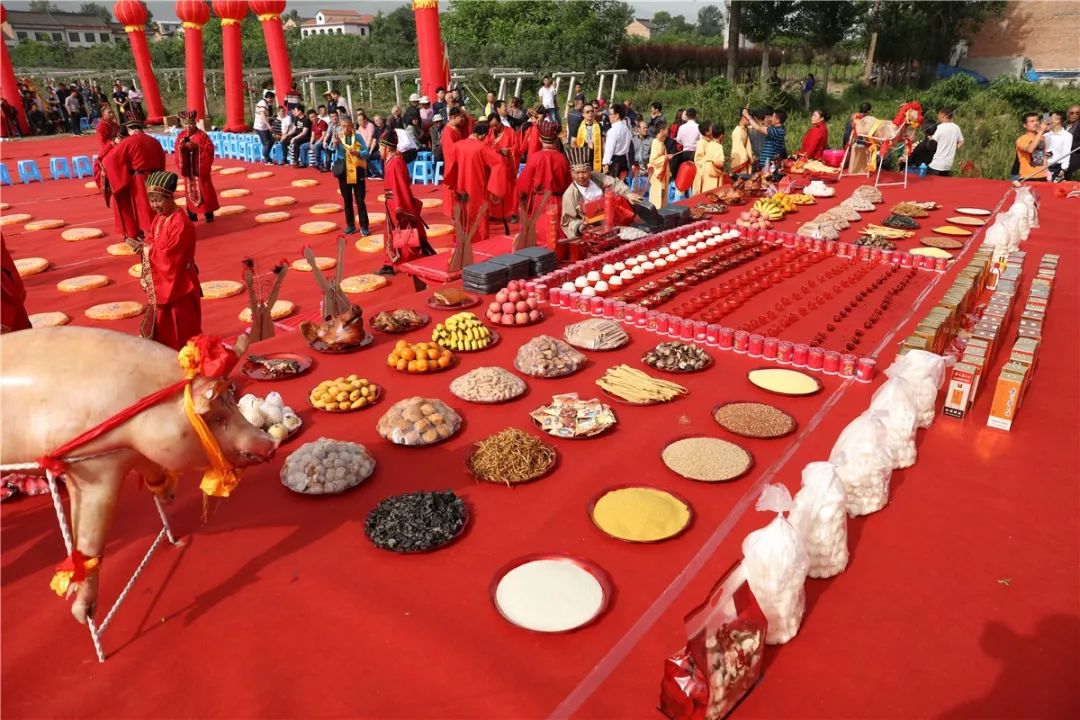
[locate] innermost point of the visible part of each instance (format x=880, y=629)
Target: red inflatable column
x=231, y=13
x=194, y=14
x=434, y=70
x=132, y=14
x=8, y=82
x=269, y=12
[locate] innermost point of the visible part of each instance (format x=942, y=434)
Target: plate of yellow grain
x=640, y=514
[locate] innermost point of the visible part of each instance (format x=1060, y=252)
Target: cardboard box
x=1007, y=396
x=960, y=392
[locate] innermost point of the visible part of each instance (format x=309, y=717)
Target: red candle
x=801, y=356
x=726, y=338
x=596, y=306
x=618, y=310
x=907, y=260
x=941, y=264
x=609, y=308
x=663, y=323
x=700, y=331
x=755, y=345
x=686, y=329
x=816, y=358
x=784, y=352
x=847, y=365
x=769, y=348
x=832, y=362
x=555, y=297
x=864, y=370
x=742, y=341
x=712, y=334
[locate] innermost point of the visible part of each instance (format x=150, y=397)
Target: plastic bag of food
x=418, y=421
x=863, y=462
x=1020, y=211
x=925, y=371
x=896, y=399
x=1030, y=198
x=997, y=234
x=776, y=566
x=723, y=655
x=820, y=516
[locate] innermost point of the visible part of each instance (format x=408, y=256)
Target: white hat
x=414, y=97
x=437, y=118
x=424, y=100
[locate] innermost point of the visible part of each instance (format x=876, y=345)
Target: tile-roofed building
x=337, y=22
x=72, y=29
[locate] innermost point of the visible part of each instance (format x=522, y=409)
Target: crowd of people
x=59, y=108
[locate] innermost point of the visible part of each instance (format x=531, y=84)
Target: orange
x=401, y=365
x=444, y=361
x=412, y=366
x=392, y=360
x=432, y=354
x=408, y=353
x=421, y=366
x=400, y=344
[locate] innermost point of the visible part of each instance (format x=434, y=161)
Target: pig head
x=58, y=383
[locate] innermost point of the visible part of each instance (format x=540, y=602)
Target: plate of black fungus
x=417, y=522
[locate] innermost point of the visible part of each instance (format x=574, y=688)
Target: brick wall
x=1047, y=31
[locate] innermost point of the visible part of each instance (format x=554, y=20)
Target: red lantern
x=268, y=7
x=131, y=13
x=195, y=12
x=231, y=9
x=684, y=179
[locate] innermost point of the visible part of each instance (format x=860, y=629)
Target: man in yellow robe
x=589, y=135
x=659, y=169
x=709, y=159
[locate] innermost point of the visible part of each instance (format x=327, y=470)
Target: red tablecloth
x=279, y=606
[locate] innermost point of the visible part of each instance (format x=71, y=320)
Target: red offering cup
x=712, y=334
x=700, y=330
x=609, y=308
x=686, y=329
x=663, y=323
x=641, y=317
x=571, y=300
x=541, y=292
x=816, y=358
x=864, y=370
x=584, y=305
x=847, y=365
x=801, y=356
x=770, y=348
x=785, y=351
x=726, y=338
x=789, y=240
x=742, y=341
x=596, y=306
x=830, y=247
x=756, y=345
x=555, y=297
x=907, y=260
x=832, y=362
x=651, y=320
x=618, y=310
x=941, y=264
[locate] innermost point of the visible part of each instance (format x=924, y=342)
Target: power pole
x=733, y=28
x=870, y=52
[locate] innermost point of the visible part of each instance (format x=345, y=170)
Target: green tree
x=710, y=21
x=764, y=19
x=661, y=21
x=93, y=8
x=43, y=6
x=824, y=25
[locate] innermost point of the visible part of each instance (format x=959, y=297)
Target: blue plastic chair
x=423, y=172
x=28, y=172
x=425, y=156
x=59, y=167
x=276, y=153
x=438, y=173
x=84, y=123
x=82, y=166
x=5, y=176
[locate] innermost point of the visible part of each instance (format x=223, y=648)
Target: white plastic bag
x=1026, y=195
x=1020, y=211
x=863, y=462
x=820, y=516
x=925, y=371
x=776, y=565
x=997, y=235
x=896, y=399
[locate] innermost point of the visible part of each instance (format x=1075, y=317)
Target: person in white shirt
x=586, y=186
x=688, y=136
x=1058, y=146
x=262, y=125
x=619, y=139
x=548, y=98
x=948, y=137
x=406, y=144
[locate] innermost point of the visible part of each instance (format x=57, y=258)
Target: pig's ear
x=241, y=345
x=203, y=392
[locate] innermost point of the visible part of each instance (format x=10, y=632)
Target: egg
x=581, y=281
x=601, y=287
x=568, y=287
x=588, y=292
x=627, y=274
x=607, y=270
x=593, y=276
x=619, y=267
x=278, y=431
x=272, y=413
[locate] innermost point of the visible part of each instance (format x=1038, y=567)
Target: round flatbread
x=232, y=171
x=82, y=283
x=260, y=175
x=324, y=208
x=272, y=217
x=120, y=249
x=370, y=244
x=216, y=168
x=90, y=185
x=439, y=229
x=376, y=218
x=322, y=263
x=431, y=202
x=356, y=284
x=135, y=270
x=281, y=309
x=304, y=182
x=227, y=210
x=49, y=319
x=50, y=224
x=932, y=252
x=31, y=266
x=279, y=201
x=217, y=289
x=15, y=218
x=235, y=193
x=942, y=242
x=76, y=234
x=320, y=227
x=114, y=310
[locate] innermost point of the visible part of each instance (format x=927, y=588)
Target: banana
x=462, y=331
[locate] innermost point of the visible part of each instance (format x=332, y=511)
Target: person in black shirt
x=924, y=151
x=299, y=133
x=656, y=119
x=439, y=106
x=575, y=117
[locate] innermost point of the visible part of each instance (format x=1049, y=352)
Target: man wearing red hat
x=126, y=169
x=402, y=211
x=476, y=180
x=194, y=160
x=503, y=140
x=546, y=171
x=452, y=134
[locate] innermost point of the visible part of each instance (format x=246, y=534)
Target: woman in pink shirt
x=365, y=128
x=816, y=138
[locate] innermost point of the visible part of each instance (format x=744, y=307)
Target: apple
x=494, y=308
x=522, y=318
x=534, y=315
x=533, y=303
x=508, y=307
x=507, y=319
x=514, y=296
x=521, y=306
x=502, y=296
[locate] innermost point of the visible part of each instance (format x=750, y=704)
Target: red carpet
x=960, y=601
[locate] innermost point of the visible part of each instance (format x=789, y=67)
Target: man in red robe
x=12, y=295
x=451, y=135
x=403, y=209
x=503, y=140
x=126, y=168
x=546, y=171
x=194, y=159
x=476, y=178
x=108, y=132
x=169, y=275
x=530, y=139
